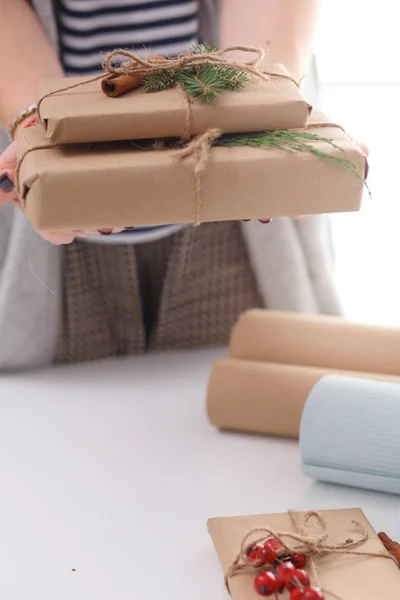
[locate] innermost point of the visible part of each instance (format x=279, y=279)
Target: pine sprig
x=203, y=83
x=292, y=141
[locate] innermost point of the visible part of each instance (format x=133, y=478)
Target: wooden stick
x=116, y=85
x=391, y=546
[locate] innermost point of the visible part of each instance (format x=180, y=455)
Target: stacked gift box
x=98, y=161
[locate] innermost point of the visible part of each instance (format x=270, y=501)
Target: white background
x=358, y=49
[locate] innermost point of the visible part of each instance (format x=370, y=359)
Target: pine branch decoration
x=291, y=141
x=204, y=83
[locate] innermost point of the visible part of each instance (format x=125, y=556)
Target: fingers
x=61, y=238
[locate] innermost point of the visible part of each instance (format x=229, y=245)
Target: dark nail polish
x=246, y=220
x=6, y=185
x=129, y=228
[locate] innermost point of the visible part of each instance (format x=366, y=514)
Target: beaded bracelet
x=21, y=116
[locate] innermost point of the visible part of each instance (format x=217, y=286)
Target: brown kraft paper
x=348, y=577
x=85, y=114
x=266, y=398
x=109, y=185
x=317, y=341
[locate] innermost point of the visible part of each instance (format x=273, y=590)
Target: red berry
x=286, y=571
x=268, y=555
x=299, y=560
x=281, y=585
x=313, y=593
x=299, y=579
x=266, y=583
x=253, y=553
x=297, y=594
x=273, y=544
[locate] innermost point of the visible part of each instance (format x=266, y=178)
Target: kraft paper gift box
x=316, y=341
x=269, y=398
x=111, y=185
x=350, y=433
x=348, y=577
x=86, y=114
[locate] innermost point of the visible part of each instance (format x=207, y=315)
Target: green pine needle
x=204, y=85
x=232, y=78
x=158, y=82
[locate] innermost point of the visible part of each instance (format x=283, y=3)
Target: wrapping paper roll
x=350, y=433
x=316, y=341
x=264, y=397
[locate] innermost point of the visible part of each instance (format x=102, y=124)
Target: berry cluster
x=281, y=572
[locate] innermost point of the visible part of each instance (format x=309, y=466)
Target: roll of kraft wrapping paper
x=264, y=397
x=316, y=341
x=350, y=433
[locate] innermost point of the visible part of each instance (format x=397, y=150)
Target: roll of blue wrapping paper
x=350, y=433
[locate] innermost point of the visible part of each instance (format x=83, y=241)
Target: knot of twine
x=200, y=148
x=300, y=541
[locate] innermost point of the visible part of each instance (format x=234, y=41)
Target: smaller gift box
x=85, y=114
x=217, y=179
x=345, y=558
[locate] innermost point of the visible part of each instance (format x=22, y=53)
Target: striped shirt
x=90, y=28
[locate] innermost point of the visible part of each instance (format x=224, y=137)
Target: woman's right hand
x=8, y=163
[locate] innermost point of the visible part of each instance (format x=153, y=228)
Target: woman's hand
x=8, y=195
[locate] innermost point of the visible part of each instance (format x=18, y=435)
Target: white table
x=112, y=469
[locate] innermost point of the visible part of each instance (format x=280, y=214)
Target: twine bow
x=147, y=66
x=301, y=541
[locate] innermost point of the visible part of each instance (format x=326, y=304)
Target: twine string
x=200, y=148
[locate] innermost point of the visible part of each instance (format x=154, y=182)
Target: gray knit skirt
x=183, y=291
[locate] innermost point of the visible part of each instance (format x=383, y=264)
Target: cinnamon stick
x=391, y=546
x=116, y=85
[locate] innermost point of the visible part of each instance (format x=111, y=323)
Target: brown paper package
x=86, y=114
x=316, y=341
x=266, y=398
x=109, y=185
x=350, y=578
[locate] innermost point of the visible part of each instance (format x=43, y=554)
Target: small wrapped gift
x=210, y=178
x=337, y=551
x=85, y=114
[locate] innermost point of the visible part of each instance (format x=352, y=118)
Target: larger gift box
x=112, y=185
x=342, y=576
x=85, y=114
